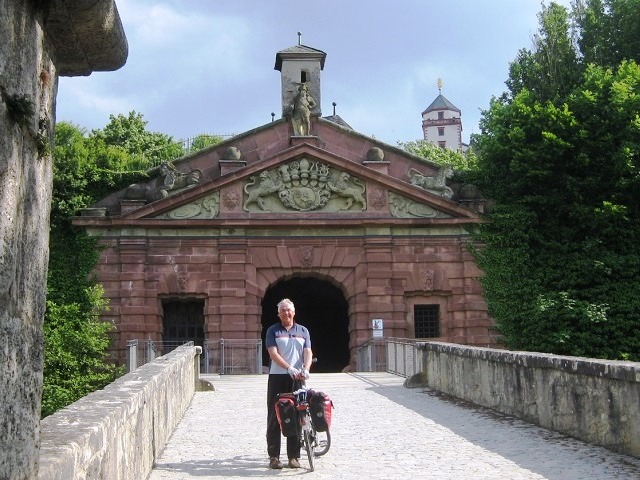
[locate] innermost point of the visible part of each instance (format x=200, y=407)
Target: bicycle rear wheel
x=322, y=443
x=308, y=445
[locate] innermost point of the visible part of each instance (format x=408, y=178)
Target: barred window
x=426, y=321
x=183, y=322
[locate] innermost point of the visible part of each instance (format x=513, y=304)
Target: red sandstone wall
x=381, y=277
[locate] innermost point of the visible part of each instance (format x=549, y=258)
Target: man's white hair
x=286, y=301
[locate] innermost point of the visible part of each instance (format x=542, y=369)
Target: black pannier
x=320, y=406
x=287, y=414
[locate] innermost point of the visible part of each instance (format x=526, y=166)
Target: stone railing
x=118, y=432
x=593, y=400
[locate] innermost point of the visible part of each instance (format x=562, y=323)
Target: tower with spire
x=442, y=122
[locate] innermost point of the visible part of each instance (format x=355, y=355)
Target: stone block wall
x=593, y=400
x=118, y=432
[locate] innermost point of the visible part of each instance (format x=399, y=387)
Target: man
x=289, y=348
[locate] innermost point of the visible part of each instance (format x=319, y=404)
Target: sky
x=207, y=66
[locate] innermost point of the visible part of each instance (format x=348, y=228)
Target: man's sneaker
x=294, y=463
x=275, y=463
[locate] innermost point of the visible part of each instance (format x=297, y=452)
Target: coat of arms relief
x=304, y=185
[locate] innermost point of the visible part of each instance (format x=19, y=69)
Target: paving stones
x=380, y=430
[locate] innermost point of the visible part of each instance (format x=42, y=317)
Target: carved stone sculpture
x=303, y=104
x=266, y=186
x=353, y=194
x=305, y=186
x=175, y=180
x=437, y=184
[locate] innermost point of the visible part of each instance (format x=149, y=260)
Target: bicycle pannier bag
x=320, y=406
x=287, y=414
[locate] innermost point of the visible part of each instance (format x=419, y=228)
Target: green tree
x=560, y=158
x=609, y=31
x=86, y=169
x=146, y=149
x=204, y=140
x=440, y=156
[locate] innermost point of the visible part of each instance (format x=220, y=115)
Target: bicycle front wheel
x=308, y=445
x=322, y=443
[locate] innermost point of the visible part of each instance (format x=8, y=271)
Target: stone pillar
x=29, y=34
x=28, y=86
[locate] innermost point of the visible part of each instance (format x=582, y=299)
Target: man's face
x=286, y=314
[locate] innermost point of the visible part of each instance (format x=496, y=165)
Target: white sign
x=378, y=328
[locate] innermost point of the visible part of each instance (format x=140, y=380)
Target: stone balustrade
x=596, y=401
x=118, y=432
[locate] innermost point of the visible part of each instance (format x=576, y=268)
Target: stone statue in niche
x=303, y=104
x=436, y=185
x=176, y=180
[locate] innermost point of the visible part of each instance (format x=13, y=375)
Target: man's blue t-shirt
x=290, y=344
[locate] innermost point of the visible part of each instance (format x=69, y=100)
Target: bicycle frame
x=315, y=443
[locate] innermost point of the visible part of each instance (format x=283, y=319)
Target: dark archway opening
x=322, y=308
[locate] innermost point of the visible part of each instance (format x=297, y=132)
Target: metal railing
x=224, y=356
x=140, y=352
x=233, y=357
x=394, y=355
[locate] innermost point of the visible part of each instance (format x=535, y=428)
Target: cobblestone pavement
x=380, y=430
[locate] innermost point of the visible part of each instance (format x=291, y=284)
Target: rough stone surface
x=29, y=77
x=594, y=400
x=118, y=432
x=26, y=72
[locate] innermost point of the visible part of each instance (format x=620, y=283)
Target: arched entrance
x=322, y=308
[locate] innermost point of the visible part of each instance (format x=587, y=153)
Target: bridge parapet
x=590, y=399
x=119, y=431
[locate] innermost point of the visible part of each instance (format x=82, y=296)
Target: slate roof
x=299, y=51
x=337, y=119
x=441, y=103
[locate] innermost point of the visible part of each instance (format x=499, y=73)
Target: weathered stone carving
x=175, y=180
x=303, y=103
x=266, y=187
x=306, y=256
x=375, y=154
x=427, y=278
x=231, y=200
x=402, y=207
x=182, y=282
x=353, y=194
x=436, y=185
x=205, y=207
x=378, y=199
x=232, y=154
x=304, y=185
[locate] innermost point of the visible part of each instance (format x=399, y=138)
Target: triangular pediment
x=303, y=182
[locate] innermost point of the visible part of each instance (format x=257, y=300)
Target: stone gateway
x=329, y=218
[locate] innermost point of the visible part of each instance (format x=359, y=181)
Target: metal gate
x=233, y=357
